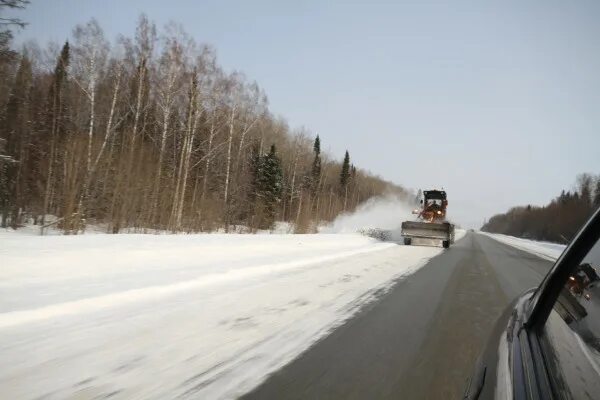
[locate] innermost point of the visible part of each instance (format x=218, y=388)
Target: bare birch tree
x=90, y=52
x=168, y=87
x=168, y=142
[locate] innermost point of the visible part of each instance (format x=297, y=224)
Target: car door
x=559, y=345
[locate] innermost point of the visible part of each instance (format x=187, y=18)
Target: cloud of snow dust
x=385, y=212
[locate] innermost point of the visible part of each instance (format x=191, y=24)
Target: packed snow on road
x=163, y=316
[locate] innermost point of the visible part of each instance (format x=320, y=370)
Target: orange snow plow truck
x=431, y=221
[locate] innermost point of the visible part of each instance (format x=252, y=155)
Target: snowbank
x=549, y=251
x=193, y=316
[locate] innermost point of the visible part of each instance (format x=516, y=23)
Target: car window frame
x=537, y=379
x=545, y=296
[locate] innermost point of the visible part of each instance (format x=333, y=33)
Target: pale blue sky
x=497, y=101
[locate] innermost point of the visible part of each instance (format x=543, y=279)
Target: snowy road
x=420, y=340
x=201, y=316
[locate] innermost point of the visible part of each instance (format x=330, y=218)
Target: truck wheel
x=407, y=241
x=446, y=244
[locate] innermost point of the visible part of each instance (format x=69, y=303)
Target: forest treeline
x=150, y=132
x=556, y=222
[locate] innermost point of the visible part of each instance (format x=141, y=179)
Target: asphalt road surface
x=420, y=340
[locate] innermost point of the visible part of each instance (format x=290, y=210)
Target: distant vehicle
x=547, y=344
x=431, y=223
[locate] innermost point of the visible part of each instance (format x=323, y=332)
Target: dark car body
x=546, y=345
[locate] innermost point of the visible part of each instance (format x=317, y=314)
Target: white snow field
x=547, y=250
x=165, y=316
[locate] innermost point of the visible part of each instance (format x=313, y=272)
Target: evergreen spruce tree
x=56, y=104
x=562, y=199
x=317, y=145
x=315, y=174
x=345, y=173
x=55, y=126
x=345, y=177
x=270, y=184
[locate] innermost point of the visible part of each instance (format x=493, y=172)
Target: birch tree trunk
x=185, y=154
x=92, y=97
x=229, y=144
x=293, y=184
x=211, y=136
x=91, y=170
x=51, y=159
x=299, y=211
x=166, y=115
x=186, y=169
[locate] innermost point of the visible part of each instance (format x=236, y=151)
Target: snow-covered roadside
x=549, y=251
x=196, y=316
x=41, y=271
